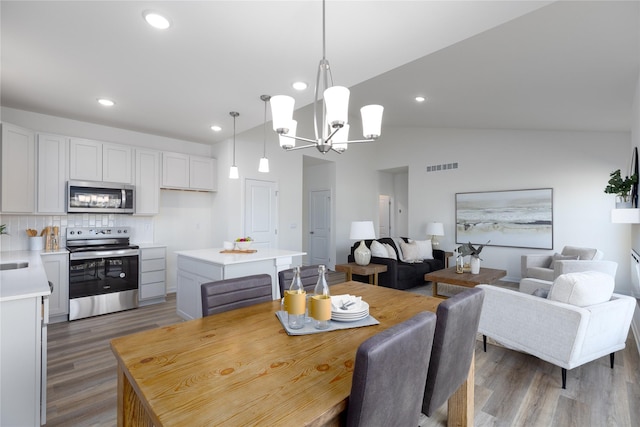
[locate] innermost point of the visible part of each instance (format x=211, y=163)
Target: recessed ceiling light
x=106, y=102
x=216, y=128
x=420, y=99
x=299, y=85
x=156, y=20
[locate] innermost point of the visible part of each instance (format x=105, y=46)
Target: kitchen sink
x=13, y=265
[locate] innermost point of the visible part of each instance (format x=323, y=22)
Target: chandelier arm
x=337, y=151
x=359, y=141
x=300, y=138
x=300, y=147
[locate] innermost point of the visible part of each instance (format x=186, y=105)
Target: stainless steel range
x=103, y=271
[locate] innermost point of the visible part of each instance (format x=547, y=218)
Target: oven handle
x=103, y=254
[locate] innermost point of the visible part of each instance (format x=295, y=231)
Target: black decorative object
x=634, y=171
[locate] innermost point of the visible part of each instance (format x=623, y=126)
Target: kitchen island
x=196, y=267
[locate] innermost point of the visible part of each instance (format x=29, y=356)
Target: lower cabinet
x=56, y=266
x=152, y=288
x=23, y=364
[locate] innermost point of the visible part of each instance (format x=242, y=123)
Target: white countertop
x=214, y=256
x=26, y=282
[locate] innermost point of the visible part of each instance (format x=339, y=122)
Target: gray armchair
x=549, y=267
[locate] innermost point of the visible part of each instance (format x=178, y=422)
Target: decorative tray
x=239, y=251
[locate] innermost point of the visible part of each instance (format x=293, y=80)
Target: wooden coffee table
x=370, y=270
x=450, y=277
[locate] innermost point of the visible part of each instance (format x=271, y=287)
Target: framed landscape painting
x=515, y=218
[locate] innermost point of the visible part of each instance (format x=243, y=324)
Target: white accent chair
x=582, y=320
x=530, y=285
x=549, y=267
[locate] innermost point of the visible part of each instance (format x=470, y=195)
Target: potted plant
x=467, y=249
x=3, y=229
x=621, y=188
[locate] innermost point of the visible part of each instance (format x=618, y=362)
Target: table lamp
x=435, y=229
x=361, y=230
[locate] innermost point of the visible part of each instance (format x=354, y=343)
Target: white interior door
x=384, y=227
x=261, y=213
x=319, y=226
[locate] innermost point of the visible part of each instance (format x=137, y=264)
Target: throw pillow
x=378, y=249
x=581, y=253
x=410, y=252
x=560, y=257
x=390, y=251
x=425, y=247
x=582, y=288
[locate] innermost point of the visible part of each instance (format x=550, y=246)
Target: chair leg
x=564, y=378
x=484, y=342
x=611, y=357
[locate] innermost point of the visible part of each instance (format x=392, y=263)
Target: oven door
x=102, y=282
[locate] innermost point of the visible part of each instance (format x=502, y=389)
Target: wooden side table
x=370, y=270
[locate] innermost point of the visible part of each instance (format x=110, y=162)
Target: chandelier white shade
x=335, y=113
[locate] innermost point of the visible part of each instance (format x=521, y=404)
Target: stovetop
x=98, y=238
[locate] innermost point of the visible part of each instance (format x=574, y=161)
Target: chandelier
x=334, y=134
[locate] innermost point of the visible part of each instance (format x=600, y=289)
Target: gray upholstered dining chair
x=453, y=347
x=308, y=276
x=389, y=368
x=229, y=294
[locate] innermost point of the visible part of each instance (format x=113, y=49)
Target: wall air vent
x=442, y=167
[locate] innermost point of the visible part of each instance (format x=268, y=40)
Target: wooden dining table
x=240, y=368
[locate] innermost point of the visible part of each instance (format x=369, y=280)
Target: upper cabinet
x=52, y=159
x=99, y=161
x=17, y=177
x=185, y=172
x=147, y=182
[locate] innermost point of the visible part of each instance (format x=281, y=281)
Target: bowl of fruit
x=243, y=243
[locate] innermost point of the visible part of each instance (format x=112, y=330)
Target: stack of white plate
x=354, y=312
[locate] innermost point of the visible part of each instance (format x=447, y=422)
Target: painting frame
x=508, y=218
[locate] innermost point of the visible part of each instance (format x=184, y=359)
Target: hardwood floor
x=512, y=389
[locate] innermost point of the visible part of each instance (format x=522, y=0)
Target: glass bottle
x=296, y=301
x=321, y=301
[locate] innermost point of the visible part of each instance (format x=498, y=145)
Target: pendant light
x=330, y=123
x=264, y=162
x=233, y=172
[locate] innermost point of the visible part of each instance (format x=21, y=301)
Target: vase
x=623, y=202
x=475, y=265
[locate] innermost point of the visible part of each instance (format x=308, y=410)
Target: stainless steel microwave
x=100, y=197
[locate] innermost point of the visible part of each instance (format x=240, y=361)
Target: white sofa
x=548, y=267
x=562, y=333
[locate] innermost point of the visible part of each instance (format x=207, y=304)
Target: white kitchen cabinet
x=18, y=170
x=85, y=160
x=99, y=161
x=175, y=170
x=152, y=286
x=52, y=175
x=202, y=173
x=56, y=266
x=147, y=182
x=21, y=369
x=116, y=163
x=185, y=172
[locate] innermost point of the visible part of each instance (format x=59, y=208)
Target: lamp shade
x=336, y=99
x=435, y=229
x=233, y=172
x=361, y=230
x=339, y=140
x=263, y=166
x=281, y=112
x=371, y=120
x=289, y=142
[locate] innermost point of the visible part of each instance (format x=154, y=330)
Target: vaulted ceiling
x=566, y=65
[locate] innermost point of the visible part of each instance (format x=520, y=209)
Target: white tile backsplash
x=16, y=240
